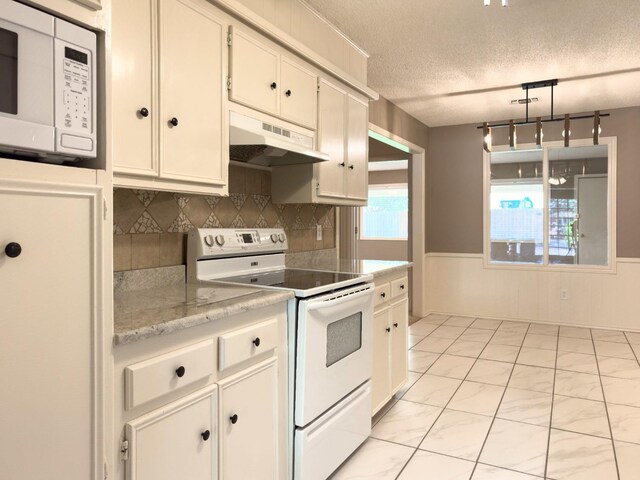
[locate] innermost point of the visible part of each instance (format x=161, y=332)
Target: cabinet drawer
x=245, y=343
x=381, y=294
x=150, y=379
x=400, y=286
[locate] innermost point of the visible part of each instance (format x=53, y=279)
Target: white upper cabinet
x=343, y=134
x=262, y=78
x=299, y=94
x=168, y=96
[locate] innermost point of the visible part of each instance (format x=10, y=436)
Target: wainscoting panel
x=459, y=284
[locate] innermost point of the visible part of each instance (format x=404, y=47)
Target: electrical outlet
x=318, y=232
x=564, y=294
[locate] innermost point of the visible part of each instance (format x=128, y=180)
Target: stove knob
x=208, y=239
x=274, y=237
x=281, y=237
x=220, y=240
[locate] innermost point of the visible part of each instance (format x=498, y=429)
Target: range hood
x=260, y=143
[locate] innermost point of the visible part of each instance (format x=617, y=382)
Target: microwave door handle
x=318, y=304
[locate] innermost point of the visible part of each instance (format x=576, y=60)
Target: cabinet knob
x=350, y=167
x=288, y=93
x=144, y=112
x=342, y=164
x=274, y=85
x=383, y=295
x=395, y=325
x=180, y=371
x=256, y=341
x=388, y=329
x=205, y=435
x=234, y=418
x=174, y=121
x=13, y=250
x=401, y=287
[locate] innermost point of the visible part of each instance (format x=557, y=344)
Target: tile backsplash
x=150, y=227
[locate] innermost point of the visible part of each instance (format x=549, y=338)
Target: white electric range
x=329, y=340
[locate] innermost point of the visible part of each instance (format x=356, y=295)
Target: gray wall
x=454, y=173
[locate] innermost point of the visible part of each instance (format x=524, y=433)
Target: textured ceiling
x=450, y=62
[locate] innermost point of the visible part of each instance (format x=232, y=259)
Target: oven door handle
x=319, y=303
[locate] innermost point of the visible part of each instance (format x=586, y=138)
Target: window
x=550, y=206
x=386, y=217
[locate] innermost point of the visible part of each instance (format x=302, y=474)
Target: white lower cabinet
x=176, y=441
x=390, y=321
x=248, y=424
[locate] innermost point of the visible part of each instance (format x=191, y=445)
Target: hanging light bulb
x=486, y=131
x=593, y=130
x=505, y=3
x=563, y=133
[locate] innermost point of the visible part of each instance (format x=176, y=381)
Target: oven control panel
x=220, y=242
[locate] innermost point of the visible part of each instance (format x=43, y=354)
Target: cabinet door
x=176, y=441
x=299, y=94
x=249, y=424
x=399, y=329
x=192, y=61
x=133, y=87
x=255, y=73
x=332, y=117
x=50, y=324
x=357, y=149
x=380, y=375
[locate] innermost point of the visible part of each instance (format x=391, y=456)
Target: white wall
x=460, y=284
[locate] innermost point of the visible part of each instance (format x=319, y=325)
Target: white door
x=192, y=65
x=178, y=441
x=255, y=74
x=592, y=224
x=332, y=131
x=299, y=94
x=133, y=102
x=357, y=149
x=50, y=324
x=381, y=374
x=333, y=354
x=249, y=424
x=399, y=339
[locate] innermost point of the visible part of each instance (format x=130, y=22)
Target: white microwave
x=47, y=85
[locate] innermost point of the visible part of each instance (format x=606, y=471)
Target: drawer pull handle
x=144, y=112
x=274, y=85
x=256, y=341
x=388, y=329
x=395, y=325
x=351, y=167
x=288, y=93
x=180, y=371
x=174, y=121
x=205, y=435
x=401, y=287
x=13, y=250
x=383, y=295
x=234, y=418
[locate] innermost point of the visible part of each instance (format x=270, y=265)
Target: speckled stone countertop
x=150, y=312
x=374, y=267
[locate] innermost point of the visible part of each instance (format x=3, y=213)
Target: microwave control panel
x=76, y=92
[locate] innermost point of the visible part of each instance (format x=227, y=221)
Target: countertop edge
x=225, y=308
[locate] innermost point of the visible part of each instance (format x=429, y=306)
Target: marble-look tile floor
x=500, y=400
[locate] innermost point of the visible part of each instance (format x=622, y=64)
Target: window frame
x=612, y=145
x=362, y=215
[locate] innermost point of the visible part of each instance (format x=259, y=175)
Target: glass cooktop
x=295, y=279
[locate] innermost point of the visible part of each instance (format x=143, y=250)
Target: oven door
x=26, y=78
x=333, y=351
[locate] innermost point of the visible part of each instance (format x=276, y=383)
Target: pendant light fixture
x=539, y=135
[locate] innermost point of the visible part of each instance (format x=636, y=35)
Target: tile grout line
x=553, y=401
x=631, y=346
x=449, y=401
x=500, y=403
x=606, y=407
